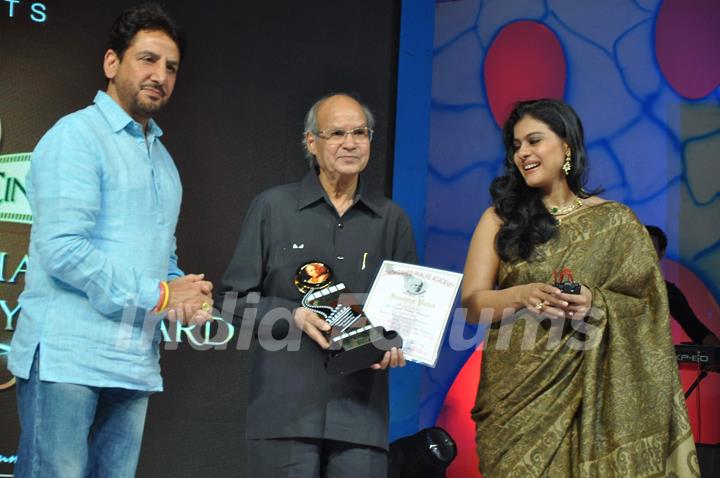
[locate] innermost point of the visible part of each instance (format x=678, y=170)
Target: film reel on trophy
x=355, y=344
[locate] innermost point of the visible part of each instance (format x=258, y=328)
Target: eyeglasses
x=362, y=135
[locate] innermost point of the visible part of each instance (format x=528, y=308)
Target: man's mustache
x=156, y=87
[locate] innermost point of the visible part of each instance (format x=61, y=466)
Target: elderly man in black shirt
x=301, y=421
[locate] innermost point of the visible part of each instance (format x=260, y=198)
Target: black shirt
x=681, y=311
x=291, y=394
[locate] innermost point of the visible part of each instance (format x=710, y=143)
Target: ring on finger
x=540, y=306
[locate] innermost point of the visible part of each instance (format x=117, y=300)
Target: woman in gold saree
x=572, y=385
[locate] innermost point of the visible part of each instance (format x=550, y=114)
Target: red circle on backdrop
x=455, y=418
x=687, y=46
x=525, y=61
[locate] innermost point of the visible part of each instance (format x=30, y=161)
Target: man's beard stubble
x=147, y=108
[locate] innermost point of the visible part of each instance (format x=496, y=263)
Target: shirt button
x=340, y=225
x=340, y=258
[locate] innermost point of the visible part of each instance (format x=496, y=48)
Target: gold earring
x=566, y=165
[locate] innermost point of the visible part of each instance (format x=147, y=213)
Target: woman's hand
x=578, y=304
x=543, y=299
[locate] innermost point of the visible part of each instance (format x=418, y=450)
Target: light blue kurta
x=105, y=199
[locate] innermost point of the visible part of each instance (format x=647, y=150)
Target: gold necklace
x=561, y=211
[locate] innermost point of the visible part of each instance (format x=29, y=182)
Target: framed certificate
x=415, y=301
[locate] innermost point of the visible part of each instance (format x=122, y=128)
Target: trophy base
x=360, y=349
x=568, y=287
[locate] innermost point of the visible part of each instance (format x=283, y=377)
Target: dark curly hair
x=145, y=16
x=526, y=223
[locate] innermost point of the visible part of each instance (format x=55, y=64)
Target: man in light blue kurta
x=105, y=196
x=105, y=204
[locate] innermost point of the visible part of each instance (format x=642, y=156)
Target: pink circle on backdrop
x=525, y=61
x=687, y=45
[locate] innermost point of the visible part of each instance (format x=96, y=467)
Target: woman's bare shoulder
x=489, y=223
x=491, y=215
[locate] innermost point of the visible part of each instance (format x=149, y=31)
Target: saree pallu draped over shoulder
x=594, y=398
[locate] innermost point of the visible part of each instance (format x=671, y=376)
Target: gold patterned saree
x=599, y=397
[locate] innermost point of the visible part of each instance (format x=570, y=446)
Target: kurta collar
x=312, y=191
x=118, y=119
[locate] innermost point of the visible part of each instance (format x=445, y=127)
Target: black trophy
x=564, y=281
x=355, y=344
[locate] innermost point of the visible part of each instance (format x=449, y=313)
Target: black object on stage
x=426, y=454
x=709, y=460
x=355, y=344
x=707, y=358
